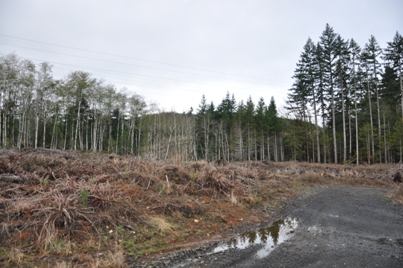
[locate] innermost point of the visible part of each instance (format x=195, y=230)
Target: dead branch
x=11, y=178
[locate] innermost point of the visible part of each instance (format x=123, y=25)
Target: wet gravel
x=337, y=227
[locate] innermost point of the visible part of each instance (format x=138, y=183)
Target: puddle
x=270, y=237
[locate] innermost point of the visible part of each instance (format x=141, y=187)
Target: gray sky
x=173, y=51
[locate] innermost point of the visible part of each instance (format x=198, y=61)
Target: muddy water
x=270, y=237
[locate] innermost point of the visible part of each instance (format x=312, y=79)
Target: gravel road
x=331, y=227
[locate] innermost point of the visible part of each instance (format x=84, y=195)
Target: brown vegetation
x=220, y=162
x=66, y=209
x=398, y=177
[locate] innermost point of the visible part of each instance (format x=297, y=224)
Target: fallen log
x=11, y=178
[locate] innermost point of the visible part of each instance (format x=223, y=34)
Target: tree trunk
x=344, y=128
x=357, y=149
x=206, y=137
x=401, y=88
x=87, y=129
x=369, y=146
x=350, y=138
x=262, y=146
x=268, y=147
x=36, y=130
x=117, y=135
x=3, y=143
x=384, y=138
x=20, y=131
x=316, y=125
x=110, y=137
x=334, y=124
x=281, y=148
x=94, y=131
x=44, y=130
x=372, y=125
x=169, y=142
x=54, y=138
x=275, y=147
x=77, y=125
x=139, y=137
x=379, y=124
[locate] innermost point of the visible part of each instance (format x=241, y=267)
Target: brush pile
x=67, y=208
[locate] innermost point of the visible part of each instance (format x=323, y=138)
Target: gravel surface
x=337, y=227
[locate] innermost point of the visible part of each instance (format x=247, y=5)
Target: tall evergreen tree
x=239, y=127
x=394, y=55
x=371, y=53
x=203, y=122
x=328, y=58
x=261, y=126
x=307, y=72
x=322, y=96
x=342, y=71
x=355, y=52
x=273, y=125
x=226, y=111
x=250, y=128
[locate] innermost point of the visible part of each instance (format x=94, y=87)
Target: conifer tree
x=370, y=56
x=342, y=71
x=261, y=126
x=273, y=125
x=250, y=127
x=355, y=51
x=328, y=59
x=394, y=56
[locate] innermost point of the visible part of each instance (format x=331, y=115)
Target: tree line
x=80, y=112
x=345, y=106
x=352, y=97
x=76, y=113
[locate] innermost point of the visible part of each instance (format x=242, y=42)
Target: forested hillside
x=345, y=106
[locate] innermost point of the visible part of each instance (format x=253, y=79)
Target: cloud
x=188, y=48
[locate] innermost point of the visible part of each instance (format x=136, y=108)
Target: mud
x=339, y=226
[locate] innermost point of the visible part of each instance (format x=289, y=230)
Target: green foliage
x=120, y=229
x=343, y=84
x=84, y=197
x=45, y=181
x=4, y=251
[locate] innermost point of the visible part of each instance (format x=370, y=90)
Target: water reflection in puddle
x=271, y=237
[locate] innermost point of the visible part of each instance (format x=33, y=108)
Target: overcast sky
x=172, y=52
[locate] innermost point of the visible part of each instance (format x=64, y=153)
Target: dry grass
x=15, y=257
x=114, y=258
x=161, y=224
x=397, y=194
x=313, y=178
x=233, y=199
x=83, y=205
x=62, y=264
